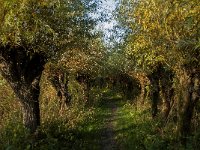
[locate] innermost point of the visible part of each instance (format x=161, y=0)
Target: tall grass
x=80, y=126
x=135, y=129
x=59, y=129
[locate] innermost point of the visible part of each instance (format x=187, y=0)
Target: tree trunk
x=31, y=111
x=28, y=95
x=154, y=78
x=190, y=87
x=29, y=98
x=166, y=108
x=155, y=96
x=23, y=71
x=142, y=94
x=155, y=100
x=165, y=95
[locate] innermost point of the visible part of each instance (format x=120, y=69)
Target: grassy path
x=117, y=125
x=100, y=133
x=113, y=124
x=108, y=142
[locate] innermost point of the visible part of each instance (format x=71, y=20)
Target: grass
x=135, y=129
x=83, y=127
x=78, y=127
x=93, y=131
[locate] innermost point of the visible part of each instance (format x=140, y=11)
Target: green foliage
x=163, y=31
x=80, y=127
x=57, y=130
x=137, y=130
x=166, y=33
x=45, y=26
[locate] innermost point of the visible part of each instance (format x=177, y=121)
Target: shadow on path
x=108, y=136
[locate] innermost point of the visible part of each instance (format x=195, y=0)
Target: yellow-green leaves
x=43, y=25
x=164, y=31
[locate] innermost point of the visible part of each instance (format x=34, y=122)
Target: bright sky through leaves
x=106, y=9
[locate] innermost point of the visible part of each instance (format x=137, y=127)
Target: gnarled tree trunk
x=166, y=91
x=190, y=91
x=59, y=81
x=155, y=92
x=30, y=107
x=23, y=72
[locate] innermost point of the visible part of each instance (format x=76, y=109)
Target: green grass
x=83, y=127
x=136, y=130
x=92, y=131
x=77, y=128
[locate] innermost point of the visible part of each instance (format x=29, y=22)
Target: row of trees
x=164, y=45
x=160, y=49
x=56, y=40
x=34, y=33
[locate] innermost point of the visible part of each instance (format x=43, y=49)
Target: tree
x=167, y=32
x=32, y=33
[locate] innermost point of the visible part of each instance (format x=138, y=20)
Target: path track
x=108, y=136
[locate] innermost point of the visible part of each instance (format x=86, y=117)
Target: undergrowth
x=136, y=130
x=81, y=125
x=60, y=129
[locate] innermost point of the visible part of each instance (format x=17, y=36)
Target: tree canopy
x=147, y=54
x=44, y=26
x=164, y=31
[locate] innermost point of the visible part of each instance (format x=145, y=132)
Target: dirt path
x=108, y=142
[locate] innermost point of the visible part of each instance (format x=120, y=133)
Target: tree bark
x=142, y=94
x=59, y=81
x=155, y=100
x=166, y=96
x=190, y=90
x=31, y=109
x=155, y=96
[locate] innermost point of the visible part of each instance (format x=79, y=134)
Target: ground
x=112, y=124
